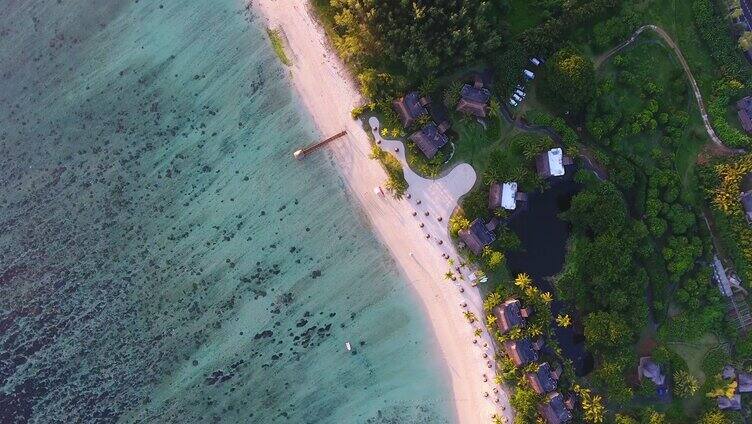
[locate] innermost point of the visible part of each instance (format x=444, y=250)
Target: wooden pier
x=302, y=153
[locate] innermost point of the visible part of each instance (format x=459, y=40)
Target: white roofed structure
x=509, y=196
x=552, y=163
x=556, y=162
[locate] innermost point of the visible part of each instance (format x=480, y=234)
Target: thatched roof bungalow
x=647, y=368
x=746, y=197
x=510, y=315
x=553, y=409
x=477, y=236
x=410, y=107
x=521, y=352
x=732, y=404
x=544, y=379
x=474, y=100
x=744, y=110
x=429, y=140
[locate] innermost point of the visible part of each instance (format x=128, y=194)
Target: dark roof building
x=647, y=368
x=477, y=236
x=732, y=404
x=551, y=163
x=554, y=410
x=429, y=140
x=521, y=352
x=510, y=315
x=746, y=197
x=744, y=108
x=410, y=107
x=746, y=11
x=544, y=380
x=745, y=382
x=474, y=100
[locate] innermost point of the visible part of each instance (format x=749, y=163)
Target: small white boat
x=347, y=346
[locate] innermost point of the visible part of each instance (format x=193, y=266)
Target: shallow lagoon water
x=162, y=256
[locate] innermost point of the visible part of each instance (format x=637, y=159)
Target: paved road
x=695, y=88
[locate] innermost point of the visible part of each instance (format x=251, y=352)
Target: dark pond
x=544, y=239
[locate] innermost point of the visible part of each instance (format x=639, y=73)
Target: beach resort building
x=746, y=197
x=543, y=380
x=744, y=110
x=430, y=139
x=647, y=368
x=509, y=315
x=521, y=352
x=554, y=410
x=734, y=403
x=474, y=99
x=551, y=163
x=477, y=236
x=410, y=108
x=506, y=196
x=744, y=380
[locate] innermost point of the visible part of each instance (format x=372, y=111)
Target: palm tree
x=450, y=262
x=470, y=316
x=494, y=108
x=492, y=300
x=449, y=275
x=515, y=333
x=491, y=320
x=592, y=405
x=534, y=331
x=531, y=291
x=564, y=321
x=546, y=297
x=523, y=280
x=478, y=332
x=594, y=409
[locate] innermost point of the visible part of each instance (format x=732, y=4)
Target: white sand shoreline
x=327, y=91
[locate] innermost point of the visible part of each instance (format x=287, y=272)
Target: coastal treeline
x=393, y=44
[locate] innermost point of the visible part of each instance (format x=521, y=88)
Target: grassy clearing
x=695, y=352
x=278, y=45
x=474, y=143
x=522, y=16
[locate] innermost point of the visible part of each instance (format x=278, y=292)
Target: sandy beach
x=328, y=93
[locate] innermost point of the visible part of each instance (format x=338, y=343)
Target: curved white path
x=442, y=194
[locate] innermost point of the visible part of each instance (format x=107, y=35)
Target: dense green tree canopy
x=415, y=38
x=568, y=81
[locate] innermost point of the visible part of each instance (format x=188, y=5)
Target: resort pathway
x=693, y=82
x=586, y=154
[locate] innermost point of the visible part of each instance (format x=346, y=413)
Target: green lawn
x=522, y=16
x=474, y=143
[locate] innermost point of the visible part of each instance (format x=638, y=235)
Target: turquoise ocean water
x=162, y=256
